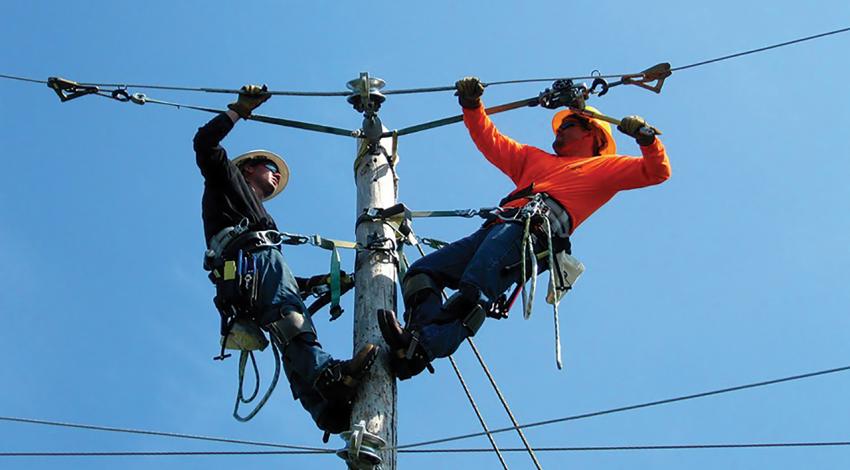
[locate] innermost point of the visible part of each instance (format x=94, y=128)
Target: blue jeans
x=303, y=357
x=473, y=265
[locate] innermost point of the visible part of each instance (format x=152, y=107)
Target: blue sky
x=733, y=271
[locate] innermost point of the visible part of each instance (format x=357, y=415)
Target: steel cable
x=157, y=433
x=634, y=407
x=754, y=445
x=469, y=396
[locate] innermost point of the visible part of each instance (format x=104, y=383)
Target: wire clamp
x=362, y=448
x=67, y=90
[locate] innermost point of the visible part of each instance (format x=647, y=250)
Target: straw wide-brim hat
x=271, y=156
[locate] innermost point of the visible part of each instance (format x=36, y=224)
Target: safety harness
x=233, y=270
x=544, y=219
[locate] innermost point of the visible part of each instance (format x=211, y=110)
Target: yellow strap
x=229, y=270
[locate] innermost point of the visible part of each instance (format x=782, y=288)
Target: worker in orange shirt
x=567, y=186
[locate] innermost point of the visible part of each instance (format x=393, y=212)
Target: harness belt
x=543, y=217
x=559, y=217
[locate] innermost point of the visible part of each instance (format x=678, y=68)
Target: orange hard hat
x=609, y=148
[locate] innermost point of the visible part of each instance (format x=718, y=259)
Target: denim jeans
x=303, y=357
x=473, y=265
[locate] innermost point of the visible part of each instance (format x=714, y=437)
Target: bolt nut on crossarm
x=362, y=448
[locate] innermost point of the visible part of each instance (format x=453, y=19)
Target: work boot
x=336, y=418
x=339, y=381
x=407, y=357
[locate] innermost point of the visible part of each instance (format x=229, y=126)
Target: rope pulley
x=564, y=93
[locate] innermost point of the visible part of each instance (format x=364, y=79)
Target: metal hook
x=600, y=82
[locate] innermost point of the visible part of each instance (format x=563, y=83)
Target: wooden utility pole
x=375, y=272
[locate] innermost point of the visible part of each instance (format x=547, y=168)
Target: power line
x=157, y=433
x=404, y=448
x=161, y=453
x=632, y=407
x=22, y=79
x=481, y=450
x=644, y=447
x=753, y=51
x=438, y=88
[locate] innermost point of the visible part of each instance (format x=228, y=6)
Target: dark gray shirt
x=227, y=196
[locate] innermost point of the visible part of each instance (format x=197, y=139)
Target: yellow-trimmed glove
x=250, y=97
x=469, y=91
x=636, y=126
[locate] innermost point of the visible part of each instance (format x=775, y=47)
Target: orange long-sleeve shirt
x=581, y=184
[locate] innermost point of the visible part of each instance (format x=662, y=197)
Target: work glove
x=469, y=91
x=250, y=97
x=636, y=126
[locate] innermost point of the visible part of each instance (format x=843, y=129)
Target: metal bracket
x=67, y=90
x=362, y=448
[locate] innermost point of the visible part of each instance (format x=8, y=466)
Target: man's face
x=574, y=137
x=263, y=175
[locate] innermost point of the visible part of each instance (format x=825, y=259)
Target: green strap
x=330, y=243
x=433, y=243
x=403, y=263
x=468, y=213
x=458, y=118
x=336, y=310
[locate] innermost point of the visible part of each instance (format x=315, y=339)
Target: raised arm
x=502, y=151
x=630, y=172
x=209, y=155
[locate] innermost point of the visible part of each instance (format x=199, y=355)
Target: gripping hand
x=469, y=91
x=636, y=126
x=250, y=97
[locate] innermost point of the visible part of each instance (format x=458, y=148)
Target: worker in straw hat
x=556, y=192
x=254, y=286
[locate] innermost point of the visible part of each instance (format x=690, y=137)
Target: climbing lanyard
x=240, y=396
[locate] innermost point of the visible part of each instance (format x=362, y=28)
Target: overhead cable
x=22, y=79
x=643, y=447
x=493, y=445
x=753, y=51
x=156, y=433
x=633, y=407
x=439, y=88
x=482, y=450
x=495, y=386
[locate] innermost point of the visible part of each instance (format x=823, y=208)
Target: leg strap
x=475, y=319
x=416, y=285
x=290, y=326
x=472, y=314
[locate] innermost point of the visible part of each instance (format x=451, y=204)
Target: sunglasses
x=573, y=121
x=271, y=166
